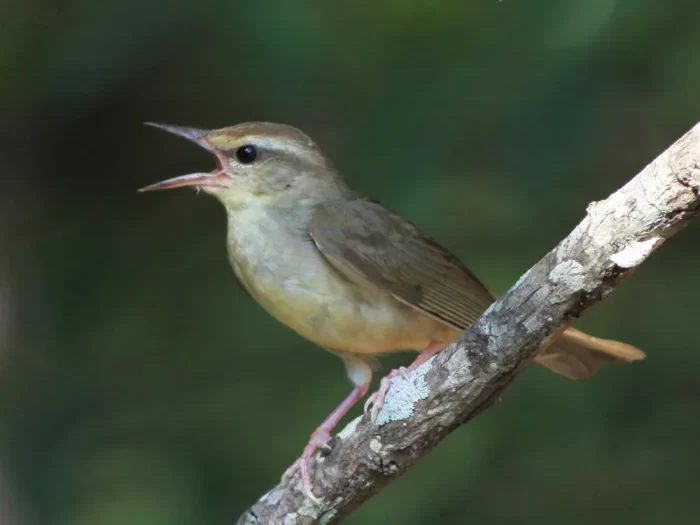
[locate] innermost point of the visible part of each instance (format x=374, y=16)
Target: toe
x=291, y=470
x=306, y=482
x=374, y=412
x=319, y=439
x=369, y=403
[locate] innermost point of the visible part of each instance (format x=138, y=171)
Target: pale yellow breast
x=283, y=270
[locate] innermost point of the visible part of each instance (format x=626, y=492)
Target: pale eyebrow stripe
x=309, y=150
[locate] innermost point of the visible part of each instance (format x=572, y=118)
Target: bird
x=344, y=271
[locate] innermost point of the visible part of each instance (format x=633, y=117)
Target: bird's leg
x=376, y=400
x=361, y=374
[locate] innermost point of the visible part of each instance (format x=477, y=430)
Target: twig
x=614, y=238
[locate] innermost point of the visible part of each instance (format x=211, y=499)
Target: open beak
x=195, y=179
x=200, y=180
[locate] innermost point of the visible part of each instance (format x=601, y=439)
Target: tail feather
x=577, y=355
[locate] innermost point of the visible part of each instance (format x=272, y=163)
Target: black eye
x=246, y=154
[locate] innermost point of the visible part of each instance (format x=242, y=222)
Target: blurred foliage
x=139, y=385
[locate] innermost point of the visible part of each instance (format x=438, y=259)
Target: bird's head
x=257, y=162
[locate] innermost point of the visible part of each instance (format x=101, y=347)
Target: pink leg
x=377, y=399
x=320, y=438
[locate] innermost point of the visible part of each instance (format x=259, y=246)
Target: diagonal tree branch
x=616, y=236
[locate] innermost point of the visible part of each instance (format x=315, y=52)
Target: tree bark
x=615, y=237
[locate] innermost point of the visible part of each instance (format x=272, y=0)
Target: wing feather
x=372, y=246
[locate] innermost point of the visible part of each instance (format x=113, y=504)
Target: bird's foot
x=319, y=440
x=376, y=400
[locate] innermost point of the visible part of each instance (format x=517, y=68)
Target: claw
x=319, y=440
x=368, y=403
x=303, y=467
x=376, y=400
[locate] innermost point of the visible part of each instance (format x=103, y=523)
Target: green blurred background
x=139, y=385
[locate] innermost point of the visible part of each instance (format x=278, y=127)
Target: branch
x=616, y=236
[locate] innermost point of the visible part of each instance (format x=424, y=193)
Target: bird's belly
x=312, y=298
